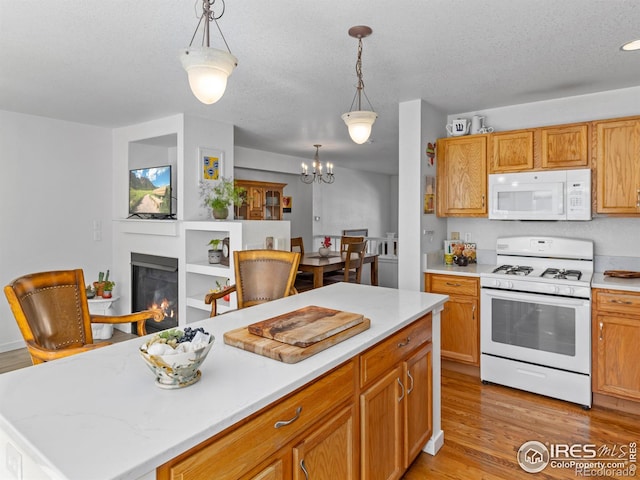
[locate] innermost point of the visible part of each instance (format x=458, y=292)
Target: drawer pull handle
x=402, y=387
x=454, y=284
x=623, y=302
x=601, y=327
x=284, y=423
x=304, y=469
x=405, y=343
x=411, y=387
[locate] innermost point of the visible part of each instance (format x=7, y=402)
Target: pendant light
x=359, y=121
x=208, y=68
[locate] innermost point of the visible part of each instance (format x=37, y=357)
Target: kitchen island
x=99, y=415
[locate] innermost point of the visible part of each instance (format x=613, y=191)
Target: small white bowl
x=177, y=370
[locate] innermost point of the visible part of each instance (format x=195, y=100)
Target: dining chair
x=297, y=245
x=304, y=280
x=354, y=259
x=345, y=240
x=261, y=276
x=52, y=312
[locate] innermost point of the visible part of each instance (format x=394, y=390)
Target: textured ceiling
x=115, y=62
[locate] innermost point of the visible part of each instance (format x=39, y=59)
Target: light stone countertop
x=599, y=280
x=472, y=270
x=99, y=414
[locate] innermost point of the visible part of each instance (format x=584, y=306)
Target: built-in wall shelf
x=149, y=226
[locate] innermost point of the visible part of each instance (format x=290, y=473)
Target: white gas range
x=535, y=330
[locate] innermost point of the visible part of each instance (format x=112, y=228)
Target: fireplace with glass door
x=154, y=284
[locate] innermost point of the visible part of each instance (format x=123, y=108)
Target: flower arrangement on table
x=324, y=247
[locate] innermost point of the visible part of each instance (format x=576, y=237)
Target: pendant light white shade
x=208, y=70
x=359, y=123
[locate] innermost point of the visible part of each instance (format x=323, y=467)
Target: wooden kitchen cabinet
x=615, y=340
x=264, y=446
x=565, y=146
x=462, y=176
x=617, y=160
x=460, y=331
x=395, y=401
x=328, y=453
x=263, y=200
x=511, y=151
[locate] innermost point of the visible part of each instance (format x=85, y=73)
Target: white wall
x=612, y=236
x=357, y=199
x=55, y=183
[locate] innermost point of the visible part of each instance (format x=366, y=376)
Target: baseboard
x=463, y=368
x=615, y=403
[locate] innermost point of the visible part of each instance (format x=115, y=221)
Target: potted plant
x=215, y=253
x=219, y=197
x=108, y=288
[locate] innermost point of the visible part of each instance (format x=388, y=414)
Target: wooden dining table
x=313, y=262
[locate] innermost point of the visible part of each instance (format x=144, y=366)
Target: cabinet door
x=460, y=330
x=618, y=369
x=381, y=428
x=565, y=147
x=462, y=177
x=273, y=204
x=255, y=199
x=328, y=452
x=274, y=471
x=617, y=159
x=418, y=407
x=512, y=152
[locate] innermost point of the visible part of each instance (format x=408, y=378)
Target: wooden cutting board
x=622, y=273
x=305, y=326
x=242, y=338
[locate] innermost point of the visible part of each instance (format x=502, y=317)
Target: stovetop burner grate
x=513, y=270
x=561, y=273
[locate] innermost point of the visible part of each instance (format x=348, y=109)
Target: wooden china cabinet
x=263, y=200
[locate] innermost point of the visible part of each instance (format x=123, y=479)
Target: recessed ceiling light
x=630, y=46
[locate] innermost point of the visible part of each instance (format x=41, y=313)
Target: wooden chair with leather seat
x=261, y=276
x=354, y=259
x=52, y=312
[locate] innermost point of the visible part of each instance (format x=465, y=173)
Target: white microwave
x=547, y=195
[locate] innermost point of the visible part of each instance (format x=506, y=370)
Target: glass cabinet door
x=273, y=208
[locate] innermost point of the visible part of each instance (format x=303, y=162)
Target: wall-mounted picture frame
x=210, y=164
x=429, y=195
x=286, y=204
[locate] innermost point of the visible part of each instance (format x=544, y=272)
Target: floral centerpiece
x=325, y=246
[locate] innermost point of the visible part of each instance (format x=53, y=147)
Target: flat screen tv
x=150, y=192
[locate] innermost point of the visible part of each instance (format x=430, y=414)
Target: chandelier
x=359, y=121
x=208, y=68
x=316, y=175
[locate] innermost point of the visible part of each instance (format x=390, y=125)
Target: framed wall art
x=210, y=164
x=429, y=195
x=286, y=204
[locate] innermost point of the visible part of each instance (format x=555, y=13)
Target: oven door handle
x=489, y=293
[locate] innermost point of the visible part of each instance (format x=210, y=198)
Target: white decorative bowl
x=177, y=370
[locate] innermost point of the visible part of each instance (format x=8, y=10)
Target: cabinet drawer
x=453, y=284
x=235, y=453
x=377, y=360
x=618, y=302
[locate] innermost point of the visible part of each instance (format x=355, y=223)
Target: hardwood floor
x=485, y=425
x=20, y=358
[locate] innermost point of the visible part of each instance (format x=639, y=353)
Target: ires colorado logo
x=587, y=460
